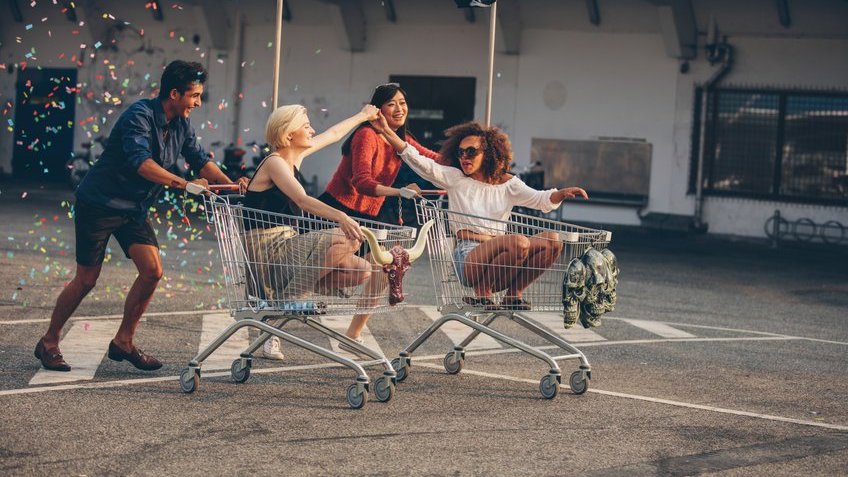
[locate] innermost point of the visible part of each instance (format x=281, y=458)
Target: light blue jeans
x=460, y=253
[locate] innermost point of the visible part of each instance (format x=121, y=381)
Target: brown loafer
x=51, y=358
x=136, y=357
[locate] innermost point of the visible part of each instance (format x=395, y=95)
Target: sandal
x=484, y=302
x=515, y=303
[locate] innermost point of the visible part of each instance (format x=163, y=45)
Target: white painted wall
x=618, y=79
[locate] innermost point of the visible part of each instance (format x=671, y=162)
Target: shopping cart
x=457, y=302
x=277, y=269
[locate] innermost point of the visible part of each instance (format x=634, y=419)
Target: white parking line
x=637, y=397
x=658, y=328
x=739, y=330
x=457, y=332
x=84, y=345
x=105, y=317
x=221, y=358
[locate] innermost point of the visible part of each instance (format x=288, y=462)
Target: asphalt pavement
x=722, y=357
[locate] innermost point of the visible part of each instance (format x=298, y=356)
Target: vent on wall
x=614, y=172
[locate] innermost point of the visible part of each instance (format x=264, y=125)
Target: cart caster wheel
x=384, y=389
x=578, y=383
x=189, y=380
x=549, y=386
x=402, y=371
x=452, y=364
x=238, y=373
x=356, y=398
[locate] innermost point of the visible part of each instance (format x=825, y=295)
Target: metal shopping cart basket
x=277, y=269
x=566, y=244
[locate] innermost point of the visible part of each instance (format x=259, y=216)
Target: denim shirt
x=113, y=181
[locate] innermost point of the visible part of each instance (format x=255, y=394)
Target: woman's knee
x=521, y=246
x=552, y=242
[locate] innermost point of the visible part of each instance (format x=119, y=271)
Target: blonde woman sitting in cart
x=293, y=261
x=478, y=184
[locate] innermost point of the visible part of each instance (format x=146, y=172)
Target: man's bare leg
x=149, y=265
x=68, y=301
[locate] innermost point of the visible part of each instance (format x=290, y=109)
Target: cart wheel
x=384, y=389
x=355, y=398
x=402, y=371
x=578, y=383
x=238, y=373
x=453, y=365
x=549, y=386
x=189, y=380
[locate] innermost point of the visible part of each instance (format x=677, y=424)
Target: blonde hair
x=282, y=122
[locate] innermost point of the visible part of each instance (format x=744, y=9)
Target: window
x=782, y=145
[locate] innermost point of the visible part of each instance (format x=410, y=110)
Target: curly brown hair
x=497, y=150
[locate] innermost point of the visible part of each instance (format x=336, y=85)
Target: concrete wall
x=617, y=77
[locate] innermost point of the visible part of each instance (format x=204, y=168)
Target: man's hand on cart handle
x=197, y=186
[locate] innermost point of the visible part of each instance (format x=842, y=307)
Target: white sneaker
x=271, y=349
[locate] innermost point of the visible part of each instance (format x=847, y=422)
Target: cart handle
x=411, y=194
x=197, y=189
x=220, y=187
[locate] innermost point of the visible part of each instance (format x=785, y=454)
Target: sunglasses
x=467, y=152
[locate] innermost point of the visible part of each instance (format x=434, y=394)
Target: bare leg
x=68, y=301
x=545, y=248
x=149, y=265
x=342, y=268
x=370, y=293
x=494, y=263
x=350, y=272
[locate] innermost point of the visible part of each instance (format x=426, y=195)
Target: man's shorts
x=94, y=225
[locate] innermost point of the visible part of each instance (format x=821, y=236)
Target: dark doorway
x=435, y=104
x=44, y=123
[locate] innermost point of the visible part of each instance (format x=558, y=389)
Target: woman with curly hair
x=480, y=187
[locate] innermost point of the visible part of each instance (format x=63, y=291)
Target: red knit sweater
x=371, y=161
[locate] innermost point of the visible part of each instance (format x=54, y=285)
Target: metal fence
x=785, y=145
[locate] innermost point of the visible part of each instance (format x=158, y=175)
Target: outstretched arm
x=382, y=126
x=544, y=200
x=568, y=193
x=425, y=167
x=336, y=132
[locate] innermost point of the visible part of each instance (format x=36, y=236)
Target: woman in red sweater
x=369, y=167
x=366, y=176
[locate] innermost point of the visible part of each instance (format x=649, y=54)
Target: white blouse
x=477, y=199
